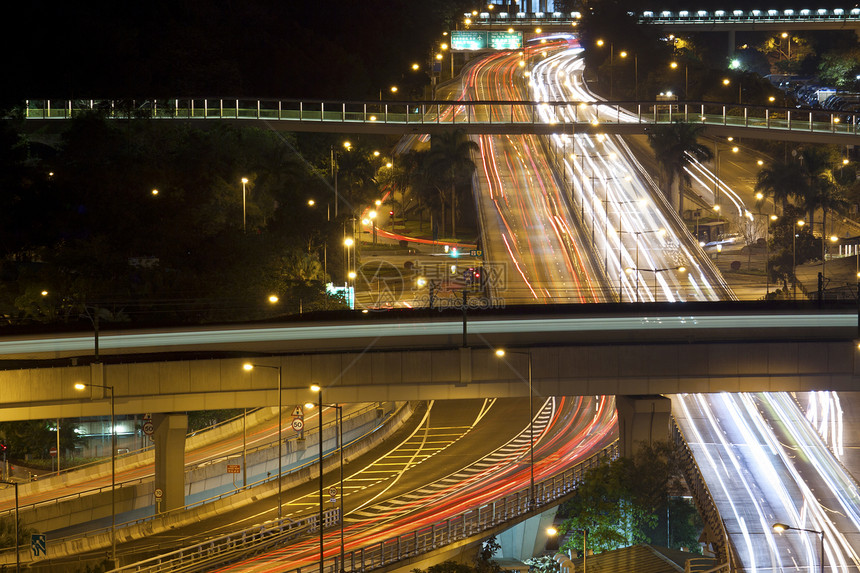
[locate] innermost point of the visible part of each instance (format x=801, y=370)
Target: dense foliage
x=629, y=501
x=82, y=233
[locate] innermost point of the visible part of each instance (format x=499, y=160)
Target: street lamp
x=674, y=65
x=661, y=232
x=318, y=389
x=79, y=387
x=17, y=555
x=501, y=353
x=339, y=409
x=717, y=153
x=780, y=527
x=248, y=367
x=347, y=243
x=656, y=272
x=611, y=65
x=794, y=232
x=244, y=219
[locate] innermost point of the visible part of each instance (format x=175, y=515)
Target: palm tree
x=450, y=163
x=356, y=172
x=782, y=180
x=825, y=194
x=675, y=146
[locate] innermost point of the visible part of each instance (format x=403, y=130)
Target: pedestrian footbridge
x=474, y=117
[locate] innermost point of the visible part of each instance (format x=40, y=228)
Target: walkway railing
x=462, y=526
x=550, y=116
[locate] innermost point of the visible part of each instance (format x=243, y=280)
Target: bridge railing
x=704, y=502
x=515, y=113
x=473, y=521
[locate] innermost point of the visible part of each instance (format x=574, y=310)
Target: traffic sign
x=234, y=468
x=298, y=424
x=53, y=451
x=298, y=412
x=332, y=491
x=147, y=416
x=39, y=544
x=159, y=493
x=148, y=428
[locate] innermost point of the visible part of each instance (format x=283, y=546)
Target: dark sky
x=253, y=48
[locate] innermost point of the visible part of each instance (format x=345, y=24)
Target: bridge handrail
x=141, y=480
x=461, y=526
x=130, y=453
x=703, y=499
x=258, y=538
x=457, y=113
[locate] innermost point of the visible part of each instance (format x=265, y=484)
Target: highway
x=450, y=456
x=526, y=219
x=473, y=460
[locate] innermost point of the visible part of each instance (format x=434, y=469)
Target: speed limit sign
x=298, y=424
x=148, y=428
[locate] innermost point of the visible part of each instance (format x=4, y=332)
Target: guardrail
x=227, y=548
x=138, y=481
x=549, y=115
x=462, y=526
x=705, y=503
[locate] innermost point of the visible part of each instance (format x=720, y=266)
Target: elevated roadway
x=597, y=349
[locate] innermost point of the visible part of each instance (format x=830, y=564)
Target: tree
x=449, y=163
x=629, y=501
x=840, y=68
x=675, y=146
x=35, y=437
x=781, y=181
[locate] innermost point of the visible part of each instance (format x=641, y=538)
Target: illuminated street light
x=249, y=367
x=780, y=527
x=800, y=225
x=318, y=389
x=244, y=219
x=501, y=354
x=80, y=387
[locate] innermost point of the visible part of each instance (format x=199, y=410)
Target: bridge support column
x=642, y=419
x=528, y=538
x=170, y=431
x=732, y=47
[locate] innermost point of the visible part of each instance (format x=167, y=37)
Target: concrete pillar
x=642, y=419
x=170, y=430
x=526, y=539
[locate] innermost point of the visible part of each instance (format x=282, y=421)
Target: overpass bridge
x=473, y=117
x=682, y=20
x=420, y=355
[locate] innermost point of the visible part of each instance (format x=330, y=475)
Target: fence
x=469, y=523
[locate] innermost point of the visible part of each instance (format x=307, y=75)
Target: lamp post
x=17, y=547
x=318, y=389
x=244, y=219
x=661, y=232
x=611, y=65
x=249, y=367
x=80, y=386
x=674, y=65
x=339, y=409
x=794, y=232
x=780, y=527
x=656, y=272
x=717, y=153
x=501, y=353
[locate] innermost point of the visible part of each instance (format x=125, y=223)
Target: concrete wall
x=563, y=370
